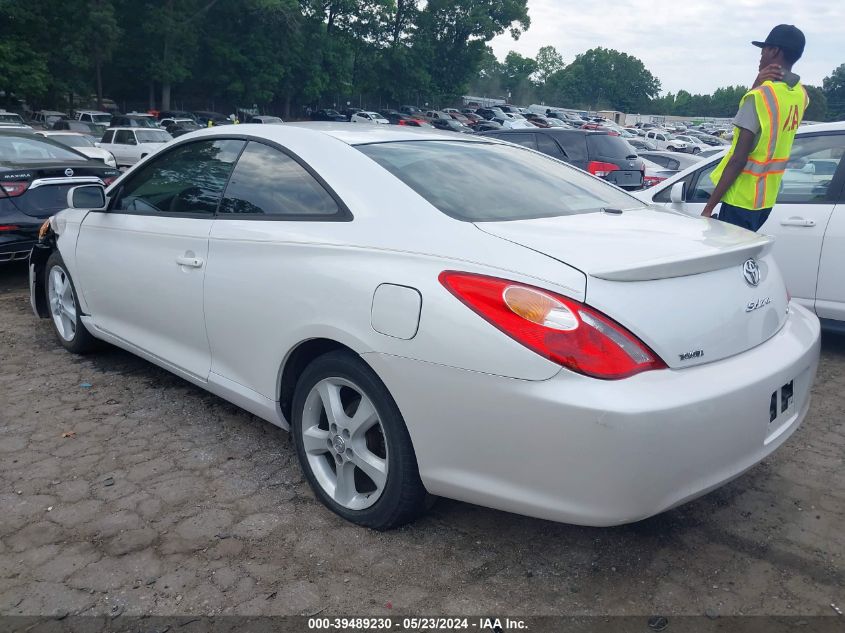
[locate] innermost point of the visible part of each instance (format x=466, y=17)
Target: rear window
x=490, y=182
x=608, y=146
x=18, y=149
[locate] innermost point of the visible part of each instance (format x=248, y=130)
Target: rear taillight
x=600, y=169
x=565, y=331
x=108, y=180
x=8, y=227
x=650, y=181
x=14, y=188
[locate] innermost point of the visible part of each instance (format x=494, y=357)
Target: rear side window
x=478, y=182
x=608, y=146
x=268, y=183
x=548, y=145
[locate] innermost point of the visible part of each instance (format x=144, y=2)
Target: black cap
x=785, y=36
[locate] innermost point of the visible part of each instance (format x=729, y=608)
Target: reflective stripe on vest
x=780, y=110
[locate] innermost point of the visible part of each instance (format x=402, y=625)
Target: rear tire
x=63, y=304
x=353, y=445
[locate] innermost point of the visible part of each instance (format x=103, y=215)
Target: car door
x=800, y=217
x=830, y=290
x=142, y=261
x=262, y=242
x=124, y=145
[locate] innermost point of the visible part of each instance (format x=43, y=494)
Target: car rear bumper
x=592, y=452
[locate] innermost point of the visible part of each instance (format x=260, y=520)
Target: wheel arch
x=295, y=363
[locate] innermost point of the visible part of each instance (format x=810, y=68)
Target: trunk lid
x=677, y=282
x=49, y=183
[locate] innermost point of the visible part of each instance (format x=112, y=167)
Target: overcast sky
x=696, y=46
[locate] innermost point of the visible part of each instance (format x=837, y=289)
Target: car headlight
x=111, y=161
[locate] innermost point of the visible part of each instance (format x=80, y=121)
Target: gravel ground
x=124, y=489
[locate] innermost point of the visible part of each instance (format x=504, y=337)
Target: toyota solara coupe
x=542, y=343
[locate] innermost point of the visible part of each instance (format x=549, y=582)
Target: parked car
x=349, y=112
x=654, y=174
x=664, y=140
x=462, y=118
x=409, y=109
x=204, y=117
x=513, y=286
x=694, y=144
x=707, y=139
x=82, y=127
x=178, y=126
x=82, y=143
x=266, y=120
x=433, y=115
x=491, y=113
x=327, y=115
x=11, y=118
x=808, y=221
x=176, y=114
x=670, y=160
x=415, y=122
x=94, y=116
x=640, y=144
x=132, y=120
x=131, y=144
x=395, y=117
x=44, y=119
x=487, y=126
x=451, y=125
x=36, y=174
x=599, y=153
x=369, y=117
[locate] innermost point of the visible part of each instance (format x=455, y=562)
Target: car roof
x=349, y=133
x=91, y=112
x=822, y=127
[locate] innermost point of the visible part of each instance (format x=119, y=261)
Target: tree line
x=282, y=55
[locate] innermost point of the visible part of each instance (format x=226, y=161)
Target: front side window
x=186, y=180
x=108, y=136
x=268, y=183
x=481, y=182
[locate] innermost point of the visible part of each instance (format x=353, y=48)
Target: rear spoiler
x=679, y=266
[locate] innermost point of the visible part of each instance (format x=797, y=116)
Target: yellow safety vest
x=780, y=110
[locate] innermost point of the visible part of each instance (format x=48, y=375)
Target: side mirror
x=676, y=193
x=87, y=197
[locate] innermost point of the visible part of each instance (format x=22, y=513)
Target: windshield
x=73, y=140
x=17, y=149
x=464, y=180
x=10, y=117
x=152, y=136
x=101, y=118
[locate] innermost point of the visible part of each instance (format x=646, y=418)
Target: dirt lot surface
x=124, y=489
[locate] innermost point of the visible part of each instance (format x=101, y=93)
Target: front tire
x=353, y=445
x=63, y=303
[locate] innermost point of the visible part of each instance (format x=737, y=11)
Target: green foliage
x=817, y=110
x=834, y=92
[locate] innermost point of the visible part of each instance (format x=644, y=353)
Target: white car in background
x=369, y=117
x=542, y=344
x=83, y=144
x=808, y=221
x=131, y=144
x=94, y=116
x=664, y=140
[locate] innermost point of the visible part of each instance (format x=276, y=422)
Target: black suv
x=35, y=177
x=602, y=154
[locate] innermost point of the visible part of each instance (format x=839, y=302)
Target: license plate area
x=781, y=409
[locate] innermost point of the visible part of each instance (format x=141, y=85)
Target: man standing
x=748, y=177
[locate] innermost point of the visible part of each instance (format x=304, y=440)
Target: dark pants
x=746, y=218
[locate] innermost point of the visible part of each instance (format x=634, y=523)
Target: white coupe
x=543, y=343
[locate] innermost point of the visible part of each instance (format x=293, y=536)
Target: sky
x=694, y=45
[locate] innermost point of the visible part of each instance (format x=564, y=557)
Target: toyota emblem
x=68, y=172
x=751, y=272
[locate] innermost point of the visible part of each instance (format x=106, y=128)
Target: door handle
x=795, y=221
x=190, y=262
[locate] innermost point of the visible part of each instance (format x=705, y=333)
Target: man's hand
x=772, y=72
x=708, y=210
